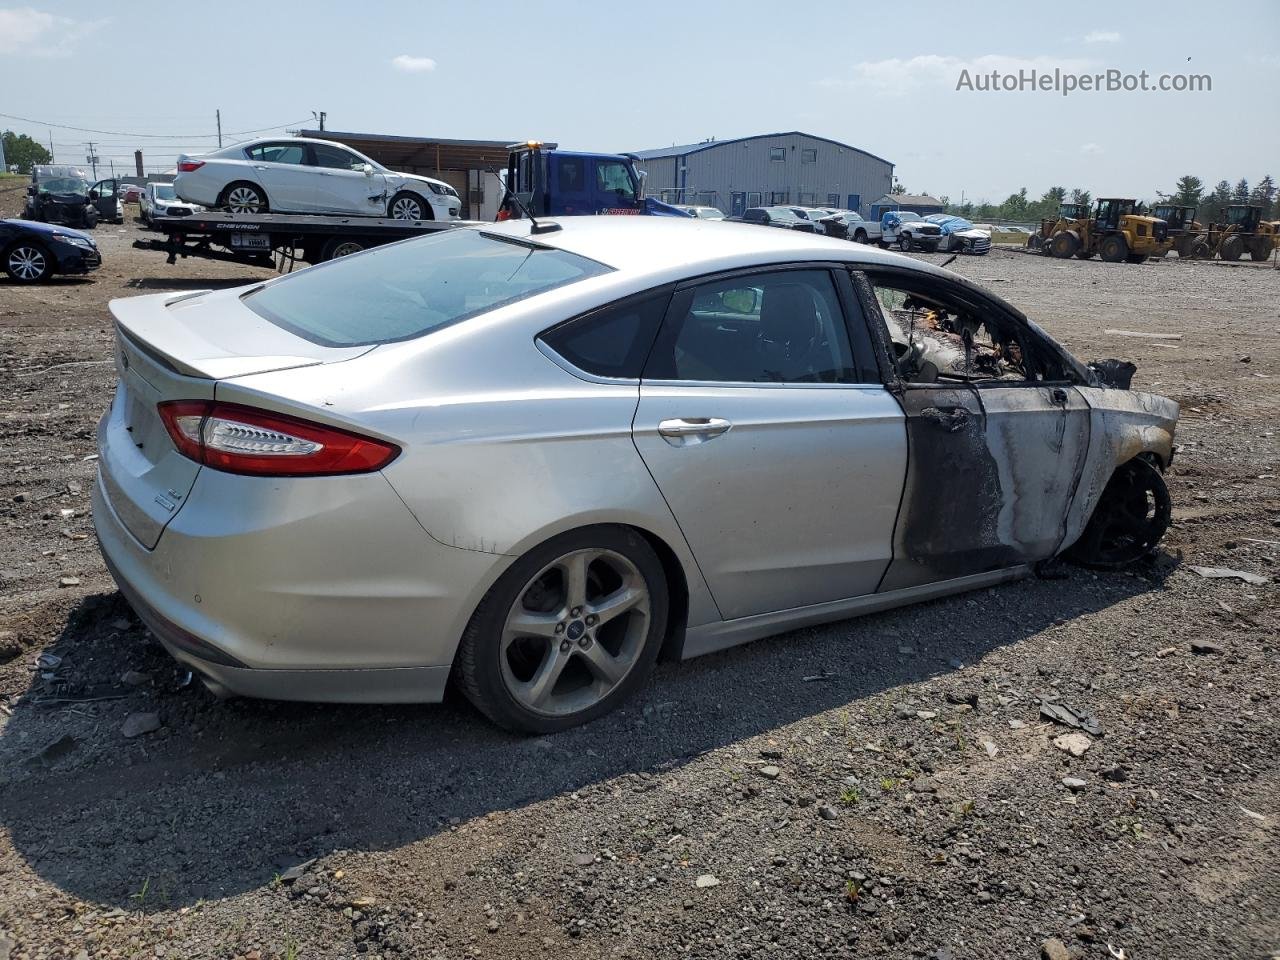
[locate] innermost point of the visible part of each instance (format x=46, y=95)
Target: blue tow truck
x=548, y=181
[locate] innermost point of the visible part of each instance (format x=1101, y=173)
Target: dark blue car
x=32, y=252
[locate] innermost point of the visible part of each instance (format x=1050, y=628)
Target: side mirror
x=367, y=169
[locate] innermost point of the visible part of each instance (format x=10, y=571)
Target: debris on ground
x=1073, y=743
x=137, y=724
x=1070, y=717
x=1222, y=573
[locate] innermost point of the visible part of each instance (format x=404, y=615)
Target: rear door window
x=410, y=288
x=278, y=153
x=783, y=327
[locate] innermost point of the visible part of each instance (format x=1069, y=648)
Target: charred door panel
x=991, y=474
x=950, y=505
x=1039, y=438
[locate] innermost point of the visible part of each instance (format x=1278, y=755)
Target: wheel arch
x=687, y=594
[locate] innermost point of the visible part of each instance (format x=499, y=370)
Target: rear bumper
x=319, y=591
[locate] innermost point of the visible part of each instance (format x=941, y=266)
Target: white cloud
x=1102, y=36
x=410, y=64
x=901, y=76
x=24, y=30
x=1091, y=148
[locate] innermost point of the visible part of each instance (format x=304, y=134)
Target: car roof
x=677, y=247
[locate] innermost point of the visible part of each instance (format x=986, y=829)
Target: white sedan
x=300, y=175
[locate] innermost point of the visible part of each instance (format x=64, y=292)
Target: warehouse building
x=776, y=168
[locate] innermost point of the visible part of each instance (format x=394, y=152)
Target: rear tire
x=860, y=236
x=536, y=659
x=340, y=247
x=1260, y=249
x=1113, y=249
x=28, y=262
x=243, y=197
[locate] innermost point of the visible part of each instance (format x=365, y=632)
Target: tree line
x=1188, y=191
x=22, y=152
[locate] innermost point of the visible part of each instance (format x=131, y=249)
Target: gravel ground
x=878, y=787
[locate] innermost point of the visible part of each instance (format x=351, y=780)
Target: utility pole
x=320, y=117
x=218, y=116
x=50, y=132
x=92, y=160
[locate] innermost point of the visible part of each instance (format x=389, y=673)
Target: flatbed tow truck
x=279, y=239
x=540, y=178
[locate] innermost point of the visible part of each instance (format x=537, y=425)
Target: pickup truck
x=909, y=230
x=849, y=225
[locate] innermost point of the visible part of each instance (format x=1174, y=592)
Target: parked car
x=533, y=461
x=62, y=194
x=301, y=175
x=32, y=252
x=132, y=192
x=815, y=215
x=909, y=231
x=161, y=200
x=849, y=225
x=702, y=213
x=783, y=217
x=960, y=235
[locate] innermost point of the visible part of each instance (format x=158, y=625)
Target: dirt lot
x=879, y=787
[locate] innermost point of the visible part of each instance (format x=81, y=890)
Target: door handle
x=689, y=430
x=953, y=419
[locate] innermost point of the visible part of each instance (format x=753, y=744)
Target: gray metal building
x=774, y=168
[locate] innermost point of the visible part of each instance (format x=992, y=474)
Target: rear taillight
x=504, y=213
x=240, y=439
x=189, y=166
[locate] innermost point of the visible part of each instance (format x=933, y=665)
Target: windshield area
x=411, y=288
x=164, y=191
x=66, y=185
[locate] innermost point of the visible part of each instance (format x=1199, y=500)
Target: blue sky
x=611, y=76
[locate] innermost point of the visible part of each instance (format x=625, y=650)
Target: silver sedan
x=533, y=460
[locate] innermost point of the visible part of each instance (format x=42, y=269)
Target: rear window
x=408, y=289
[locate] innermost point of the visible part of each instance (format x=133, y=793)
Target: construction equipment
x=1185, y=231
x=1115, y=232
x=1068, y=215
x=1244, y=232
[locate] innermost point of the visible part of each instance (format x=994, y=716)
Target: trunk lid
x=176, y=347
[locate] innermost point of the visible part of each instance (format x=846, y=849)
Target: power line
x=154, y=136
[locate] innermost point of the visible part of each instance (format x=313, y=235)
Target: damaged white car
x=531, y=456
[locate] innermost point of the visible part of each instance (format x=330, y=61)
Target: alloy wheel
x=574, y=632
x=406, y=208
x=244, y=200
x=27, y=263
